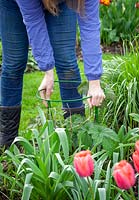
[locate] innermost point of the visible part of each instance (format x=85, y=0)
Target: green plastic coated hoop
x=66, y=100
x=49, y=101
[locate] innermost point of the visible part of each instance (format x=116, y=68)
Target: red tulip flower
x=124, y=175
x=84, y=163
x=137, y=5
x=135, y=157
x=137, y=146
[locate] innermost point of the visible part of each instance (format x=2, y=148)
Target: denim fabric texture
x=62, y=34
x=14, y=53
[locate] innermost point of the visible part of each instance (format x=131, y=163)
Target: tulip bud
x=124, y=175
x=135, y=157
x=137, y=146
x=84, y=163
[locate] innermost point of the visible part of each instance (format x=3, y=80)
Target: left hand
x=96, y=93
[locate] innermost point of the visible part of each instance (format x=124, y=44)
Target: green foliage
x=119, y=21
x=135, y=117
x=37, y=162
x=40, y=164
x=27, y=187
x=121, y=76
x=85, y=134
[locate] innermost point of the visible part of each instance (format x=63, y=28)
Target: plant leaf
x=27, y=187
x=63, y=141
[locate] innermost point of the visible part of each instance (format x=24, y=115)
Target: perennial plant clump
x=119, y=21
x=44, y=165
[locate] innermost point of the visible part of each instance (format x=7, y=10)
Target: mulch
x=115, y=49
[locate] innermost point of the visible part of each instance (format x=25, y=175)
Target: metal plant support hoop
x=49, y=101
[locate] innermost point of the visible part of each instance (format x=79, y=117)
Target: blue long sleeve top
x=89, y=24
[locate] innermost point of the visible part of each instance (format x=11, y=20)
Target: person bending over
x=49, y=28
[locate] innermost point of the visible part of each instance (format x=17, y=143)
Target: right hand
x=96, y=93
x=46, y=86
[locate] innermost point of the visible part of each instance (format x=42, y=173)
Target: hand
x=46, y=87
x=96, y=93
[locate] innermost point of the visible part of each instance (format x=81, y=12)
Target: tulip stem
x=132, y=194
x=90, y=187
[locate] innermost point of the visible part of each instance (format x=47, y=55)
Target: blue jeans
x=62, y=33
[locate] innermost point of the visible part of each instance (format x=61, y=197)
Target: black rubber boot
x=71, y=111
x=9, y=124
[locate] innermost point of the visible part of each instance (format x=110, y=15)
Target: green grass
x=30, y=100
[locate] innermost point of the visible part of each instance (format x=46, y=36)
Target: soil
x=114, y=48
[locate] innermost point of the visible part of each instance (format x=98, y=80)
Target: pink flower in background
x=84, y=163
x=135, y=157
x=124, y=175
x=137, y=146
